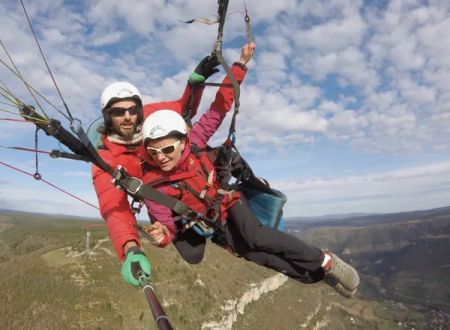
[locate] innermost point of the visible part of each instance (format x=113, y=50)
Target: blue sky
x=345, y=108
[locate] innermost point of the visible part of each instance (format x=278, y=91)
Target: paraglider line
x=49, y=183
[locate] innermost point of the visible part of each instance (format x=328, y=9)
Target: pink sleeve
x=206, y=127
x=162, y=214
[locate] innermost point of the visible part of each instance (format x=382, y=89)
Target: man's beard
x=128, y=133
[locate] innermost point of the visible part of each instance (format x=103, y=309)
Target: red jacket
x=193, y=172
x=113, y=202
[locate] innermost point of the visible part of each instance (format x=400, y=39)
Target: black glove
x=205, y=69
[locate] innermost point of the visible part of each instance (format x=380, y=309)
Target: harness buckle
x=122, y=180
x=133, y=185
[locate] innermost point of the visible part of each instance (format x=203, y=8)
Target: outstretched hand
x=135, y=260
x=158, y=233
x=247, y=52
x=206, y=68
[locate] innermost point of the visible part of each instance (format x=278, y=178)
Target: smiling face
x=124, y=123
x=166, y=151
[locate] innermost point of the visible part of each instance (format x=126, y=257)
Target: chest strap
x=136, y=188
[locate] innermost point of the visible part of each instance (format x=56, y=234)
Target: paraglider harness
x=233, y=174
x=264, y=201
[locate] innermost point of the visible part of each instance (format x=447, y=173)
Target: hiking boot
x=336, y=285
x=343, y=273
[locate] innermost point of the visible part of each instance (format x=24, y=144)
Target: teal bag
x=266, y=203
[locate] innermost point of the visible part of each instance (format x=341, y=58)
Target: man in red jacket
x=123, y=114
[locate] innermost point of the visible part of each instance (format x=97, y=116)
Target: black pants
x=263, y=245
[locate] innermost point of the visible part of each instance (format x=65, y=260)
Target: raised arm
x=192, y=95
x=211, y=120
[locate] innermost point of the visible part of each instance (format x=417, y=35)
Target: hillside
x=403, y=258
x=49, y=280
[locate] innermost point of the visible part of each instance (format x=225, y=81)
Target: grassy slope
x=48, y=283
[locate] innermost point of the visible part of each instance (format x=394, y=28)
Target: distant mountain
x=329, y=217
x=362, y=219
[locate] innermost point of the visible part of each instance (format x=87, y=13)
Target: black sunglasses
x=120, y=112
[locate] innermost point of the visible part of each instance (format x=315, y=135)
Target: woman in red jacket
x=174, y=169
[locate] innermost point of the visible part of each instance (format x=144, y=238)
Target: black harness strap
x=248, y=25
x=136, y=188
x=61, y=154
x=54, y=128
x=217, y=50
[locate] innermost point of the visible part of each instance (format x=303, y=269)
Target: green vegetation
x=49, y=280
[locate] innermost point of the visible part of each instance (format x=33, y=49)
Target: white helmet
x=163, y=123
x=117, y=91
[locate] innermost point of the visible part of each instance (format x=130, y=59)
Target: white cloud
x=346, y=124
x=273, y=113
x=272, y=61
x=140, y=17
x=278, y=42
x=391, y=191
x=180, y=40
x=107, y=38
x=332, y=36
x=267, y=11
x=326, y=9
x=302, y=95
x=416, y=94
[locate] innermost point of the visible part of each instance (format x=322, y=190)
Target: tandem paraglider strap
x=217, y=50
x=136, y=188
x=200, y=227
